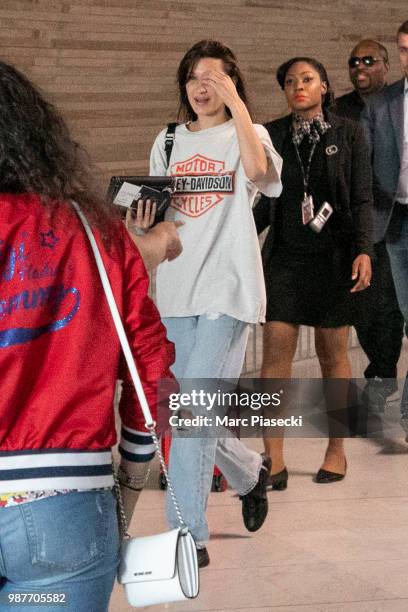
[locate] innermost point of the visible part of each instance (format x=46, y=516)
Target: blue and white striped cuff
x=136, y=445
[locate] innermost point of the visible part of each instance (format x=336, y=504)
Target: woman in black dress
x=311, y=277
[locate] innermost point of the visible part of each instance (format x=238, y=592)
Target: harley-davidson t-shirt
x=220, y=269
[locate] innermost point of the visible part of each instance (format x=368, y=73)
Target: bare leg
x=331, y=349
x=279, y=347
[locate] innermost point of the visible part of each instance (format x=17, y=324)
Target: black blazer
x=349, y=174
x=383, y=124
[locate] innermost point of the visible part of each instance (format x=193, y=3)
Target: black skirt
x=312, y=289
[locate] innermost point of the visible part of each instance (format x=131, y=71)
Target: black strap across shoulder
x=169, y=141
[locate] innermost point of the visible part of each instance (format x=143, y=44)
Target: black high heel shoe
x=279, y=481
x=325, y=476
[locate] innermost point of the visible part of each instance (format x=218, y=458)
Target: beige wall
x=110, y=65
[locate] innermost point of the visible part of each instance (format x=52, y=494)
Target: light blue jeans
x=398, y=252
x=65, y=544
x=207, y=348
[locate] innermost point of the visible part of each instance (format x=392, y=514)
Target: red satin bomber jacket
x=59, y=352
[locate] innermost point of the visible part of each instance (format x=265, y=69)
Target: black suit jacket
x=350, y=105
x=349, y=177
x=383, y=124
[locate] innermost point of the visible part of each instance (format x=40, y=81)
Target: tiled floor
x=324, y=548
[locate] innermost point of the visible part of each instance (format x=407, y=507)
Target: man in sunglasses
x=377, y=318
x=368, y=67
x=385, y=121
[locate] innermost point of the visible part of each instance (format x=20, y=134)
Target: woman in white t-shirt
x=212, y=292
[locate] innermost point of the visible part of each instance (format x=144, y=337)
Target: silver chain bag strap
x=163, y=567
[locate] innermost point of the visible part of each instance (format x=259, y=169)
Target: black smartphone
x=155, y=188
x=162, y=198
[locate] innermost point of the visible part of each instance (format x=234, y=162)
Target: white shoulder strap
x=117, y=321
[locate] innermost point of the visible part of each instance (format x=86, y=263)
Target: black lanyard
x=305, y=173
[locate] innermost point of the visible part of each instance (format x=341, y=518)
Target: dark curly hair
x=38, y=155
x=328, y=97
x=203, y=49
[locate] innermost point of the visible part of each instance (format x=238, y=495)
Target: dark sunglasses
x=367, y=60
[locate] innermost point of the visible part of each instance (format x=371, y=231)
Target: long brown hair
x=203, y=49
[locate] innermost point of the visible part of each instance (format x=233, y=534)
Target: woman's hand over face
x=223, y=86
x=361, y=270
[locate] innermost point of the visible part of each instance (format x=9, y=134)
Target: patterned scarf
x=312, y=128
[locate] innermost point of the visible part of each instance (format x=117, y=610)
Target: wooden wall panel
x=110, y=65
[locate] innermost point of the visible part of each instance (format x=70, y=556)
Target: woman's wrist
x=138, y=231
x=136, y=480
x=238, y=108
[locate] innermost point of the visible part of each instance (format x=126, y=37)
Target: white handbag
x=160, y=568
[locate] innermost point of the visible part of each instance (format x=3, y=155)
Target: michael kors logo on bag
x=143, y=573
x=200, y=184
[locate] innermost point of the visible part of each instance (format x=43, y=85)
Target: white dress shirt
x=402, y=191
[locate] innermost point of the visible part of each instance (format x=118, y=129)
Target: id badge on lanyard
x=306, y=205
x=307, y=209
